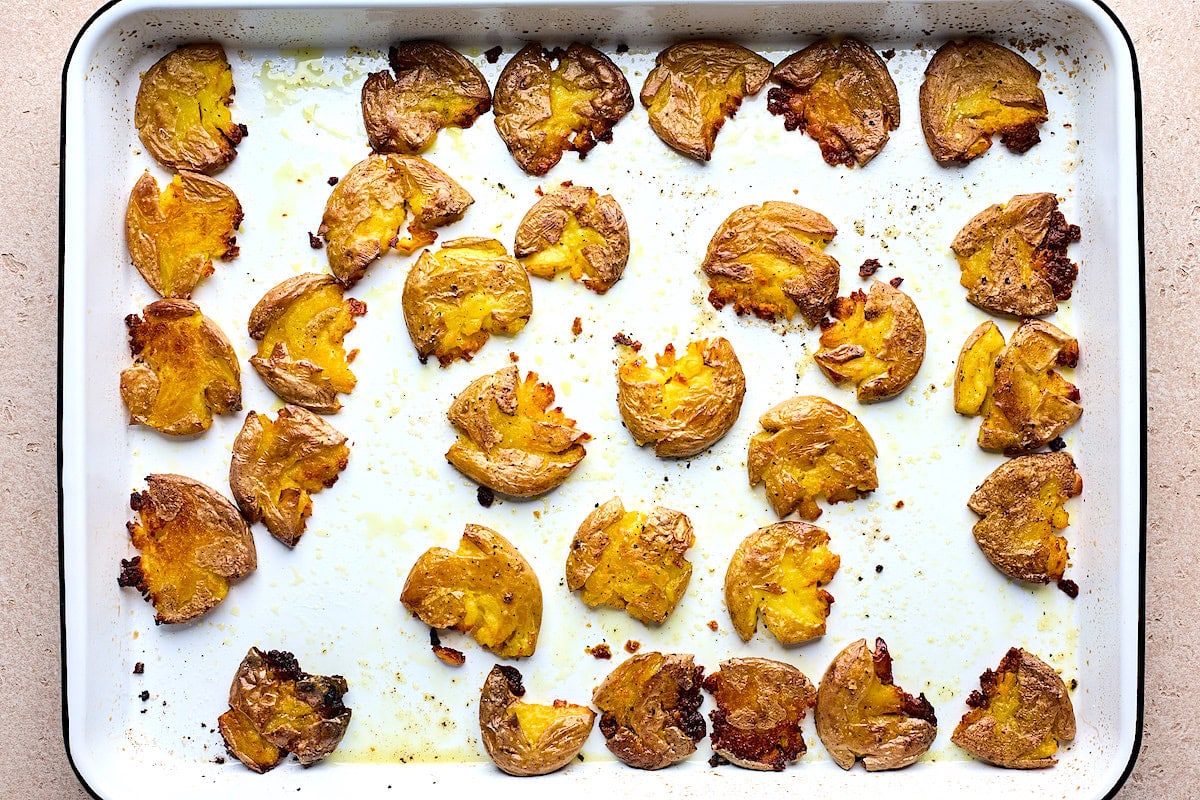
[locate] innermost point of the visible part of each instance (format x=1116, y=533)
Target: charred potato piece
x=974, y=90
x=455, y=299
x=975, y=374
x=650, y=709
x=769, y=261
x=572, y=229
x=184, y=369
x=543, y=110
x=862, y=714
x=182, y=109
x=510, y=440
x=840, y=92
x=1021, y=715
x=524, y=738
x=486, y=589
x=760, y=705
x=1013, y=256
x=192, y=544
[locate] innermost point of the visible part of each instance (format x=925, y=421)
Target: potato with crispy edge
x=367, y=207
x=184, y=369
x=192, y=544
x=486, y=588
x=650, y=709
x=182, y=109
x=760, y=705
x=1021, y=715
x=862, y=714
x=429, y=88
x=543, y=110
x=769, y=261
x=300, y=326
x=839, y=92
x=976, y=89
x=525, y=738
x=572, y=229
x=975, y=373
x=875, y=341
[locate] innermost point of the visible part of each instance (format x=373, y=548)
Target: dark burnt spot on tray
x=622, y=47
x=632, y=646
x=625, y=339
x=144, y=696
x=896, y=281
x=315, y=241
x=333, y=180
x=888, y=54
x=492, y=54
x=869, y=268
x=139, y=668
x=1057, y=444
x=485, y=496
x=1069, y=587
x=599, y=651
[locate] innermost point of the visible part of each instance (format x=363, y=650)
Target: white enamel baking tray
x=946, y=614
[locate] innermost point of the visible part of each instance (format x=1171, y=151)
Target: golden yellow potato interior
x=717, y=99
x=770, y=273
x=565, y=122
x=567, y=253
x=207, y=105
x=169, y=348
x=536, y=719
x=679, y=377
x=1005, y=706
x=313, y=328
x=809, y=477
x=631, y=577
x=989, y=115
x=976, y=371
x=302, y=472
x=867, y=334
x=244, y=741
x=791, y=602
x=522, y=428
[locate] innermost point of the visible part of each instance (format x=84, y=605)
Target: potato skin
x=505, y=740
x=760, y=705
x=975, y=373
x=650, y=709
x=544, y=227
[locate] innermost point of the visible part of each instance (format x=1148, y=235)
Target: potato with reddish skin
x=572, y=229
x=760, y=705
x=524, y=738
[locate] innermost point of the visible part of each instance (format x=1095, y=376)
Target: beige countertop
x=33, y=763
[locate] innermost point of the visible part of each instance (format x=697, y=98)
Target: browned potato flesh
x=650, y=709
x=760, y=705
x=526, y=738
x=574, y=230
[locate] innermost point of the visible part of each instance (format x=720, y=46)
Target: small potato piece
x=192, y=543
x=182, y=109
x=769, y=261
x=486, y=589
x=631, y=561
x=694, y=86
x=572, y=229
x=524, y=738
x=1020, y=717
x=278, y=466
x=184, y=369
x=650, y=709
x=456, y=298
x=246, y=744
x=510, y=440
x=976, y=371
x=543, y=110
x=973, y=90
x=683, y=406
x=875, y=341
x=862, y=714
x=760, y=705
x=434, y=87
x=840, y=92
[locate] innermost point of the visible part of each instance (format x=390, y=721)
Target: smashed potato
x=543, y=110
x=975, y=373
x=572, y=229
x=650, y=709
x=524, y=738
x=760, y=705
x=192, y=544
x=184, y=369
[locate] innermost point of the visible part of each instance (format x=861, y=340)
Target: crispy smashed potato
x=543, y=110
x=486, y=589
x=769, y=261
x=300, y=326
x=456, y=298
x=192, y=544
x=840, y=92
x=694, y=86
x=1020, y=717
x=524, y=738
x=760, y=705
x=182, y=109
x=650, y=709
x=572, y=229
x=433, y=87
x=510, y=439
x=974, y=90
x=184, y=369
x=862, y=714
x=975, y=374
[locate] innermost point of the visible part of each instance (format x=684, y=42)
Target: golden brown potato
x=1020, y=717
x=760, y=705
x=455, y=299
x=976, y=371
x=974, y=90
x=875, y=341
x=694, y=86
x=840, y=92
x=632, y=561
x=434, y=87
x=862, y=714
x=174, y=237
x=184, y=369
x=486, y=589
x=810, y=448
x=650, y=709
x=1013, y=256
x=543, y=110
x=572, y=229
x=510, y=440
x=524, y=738
x=769, y=261
x=300, y=326
x=777, y=573
x=367, y=207
x=182, y=109
x=278, y=466
x=192, y=543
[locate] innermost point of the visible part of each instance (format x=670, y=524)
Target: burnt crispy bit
x=314, y=241
x=600, y=652
x=632, y=645
x=1068, y=587
x=650, y=709
x=485, y=496
x=869, y=268
x=492, y=54
x=626, y=340
x=760, y=705
x=139, y=668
